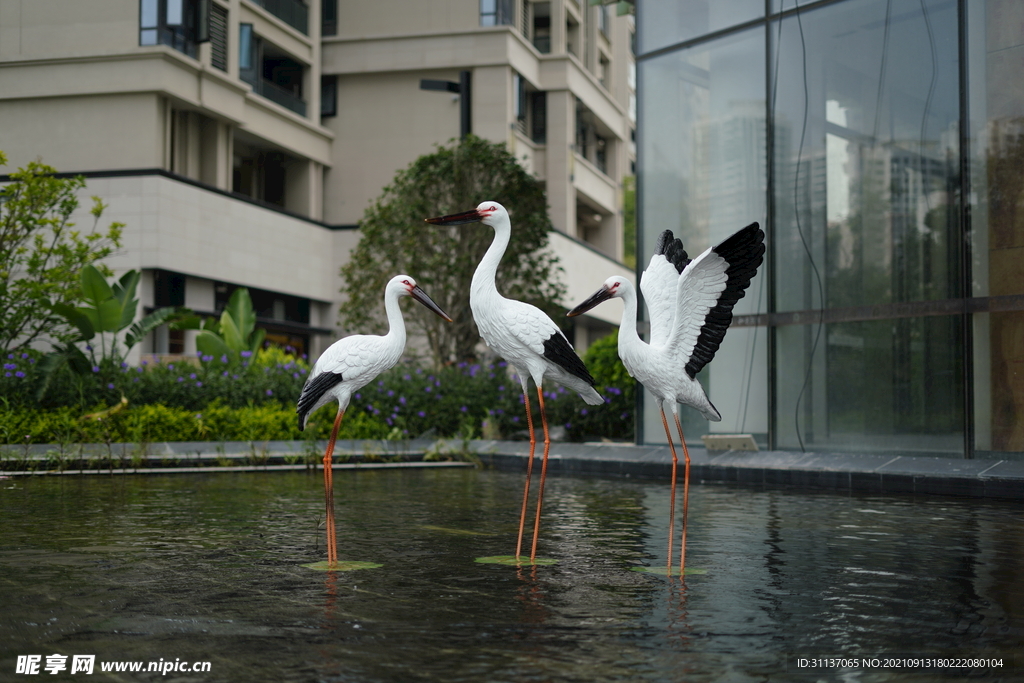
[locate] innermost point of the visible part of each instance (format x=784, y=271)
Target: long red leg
x=672, y=497
x=529, y=471
x=543, y=473
x=686, y=495
x=332, y=540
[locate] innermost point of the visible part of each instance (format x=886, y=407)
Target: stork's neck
x=396, y=323
x=628, y=337
x=484, y=279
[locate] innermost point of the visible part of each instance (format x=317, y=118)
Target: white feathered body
x=517, y=331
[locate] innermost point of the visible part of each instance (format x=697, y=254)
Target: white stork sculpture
x=525, y=337
x=690, y=304
x=348, y=365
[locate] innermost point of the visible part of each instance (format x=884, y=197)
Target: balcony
x=292, y=12
x=278, y=95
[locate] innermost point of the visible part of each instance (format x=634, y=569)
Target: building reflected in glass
x=881, y=145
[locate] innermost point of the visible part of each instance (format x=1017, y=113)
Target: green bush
x=212, y=399
x=154, y=423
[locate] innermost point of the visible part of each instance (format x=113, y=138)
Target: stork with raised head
x=690, y=304
x=525, y=337
x=350, y=364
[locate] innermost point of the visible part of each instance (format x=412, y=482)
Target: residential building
x=877, y=142
x=241, y=140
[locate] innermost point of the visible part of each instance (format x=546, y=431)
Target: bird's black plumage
x=671, y=247
x=313, y=390
x=743, y=252
x=558, y=351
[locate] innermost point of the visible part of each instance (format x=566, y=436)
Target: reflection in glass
x=880, y=385
x=703, y=142
x=866, y=180
x=660, y=24
x=996, y=46
x=866, y=160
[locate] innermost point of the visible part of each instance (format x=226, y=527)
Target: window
x=180, y=24
x=542, y=27
x=328, y=96
x=218, y=37
x=270, y=71
x=495, y=12
x=329, y=18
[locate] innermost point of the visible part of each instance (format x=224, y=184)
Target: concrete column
x=560, y=161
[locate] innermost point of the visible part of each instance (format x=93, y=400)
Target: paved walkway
x=838, y=472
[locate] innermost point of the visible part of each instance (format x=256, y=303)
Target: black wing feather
x=671, y=248
x=744, y=252
x=312, y=392
x=558, y=350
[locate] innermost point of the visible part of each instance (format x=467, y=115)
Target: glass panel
x=660, y=24
x=996, y=46
x=867, y=158
x=175, y=12
x=890, y=386
x=147, y=37
x=245, y=47
x=148, y=14
x=703, y=176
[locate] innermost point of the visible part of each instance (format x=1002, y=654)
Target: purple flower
x=7, y=374
x=10, y=366
x=145, y=362
x=88, y=347
x=358, y=396
x=95, y=368
x=568, y=425
x=207, y=359
x=295, y=375
x=170, y=366
x=428, y=389
x=270, y=392
x=224, y=358
x=24, y=355
x=181, y=379
x=11, y=356
x=246, y=354
x=225, y=373
x=421, y=414
x=515, y=418
x=407, y=377
x=199, y=416
x=124, y=365
x=199, y=353
x=583, y=411
x=138, y=369
x=401, y=399
x=391, y=392
x=32, y=360
x=192, y=376
x=110, y=385
x=501, y=387
x=19, y=373
x=463, y=408
x=199, y=384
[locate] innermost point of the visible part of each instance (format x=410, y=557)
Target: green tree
x=42, y=254
x=442, y=259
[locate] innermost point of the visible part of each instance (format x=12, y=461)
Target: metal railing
x=275, y=93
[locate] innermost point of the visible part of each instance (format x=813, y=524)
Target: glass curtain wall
x=995, y=32
x=704, y=176
x=866, y=170
x=881, y=144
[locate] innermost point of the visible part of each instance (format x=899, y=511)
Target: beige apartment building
x=241, y=140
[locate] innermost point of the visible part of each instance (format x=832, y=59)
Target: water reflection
x=208, y=568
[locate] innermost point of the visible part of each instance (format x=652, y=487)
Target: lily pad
x=514, y=561
x=341, y=566
x=663, y=571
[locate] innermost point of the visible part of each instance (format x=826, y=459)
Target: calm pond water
x=208, y=568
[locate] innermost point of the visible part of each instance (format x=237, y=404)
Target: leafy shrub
x=254, y=398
